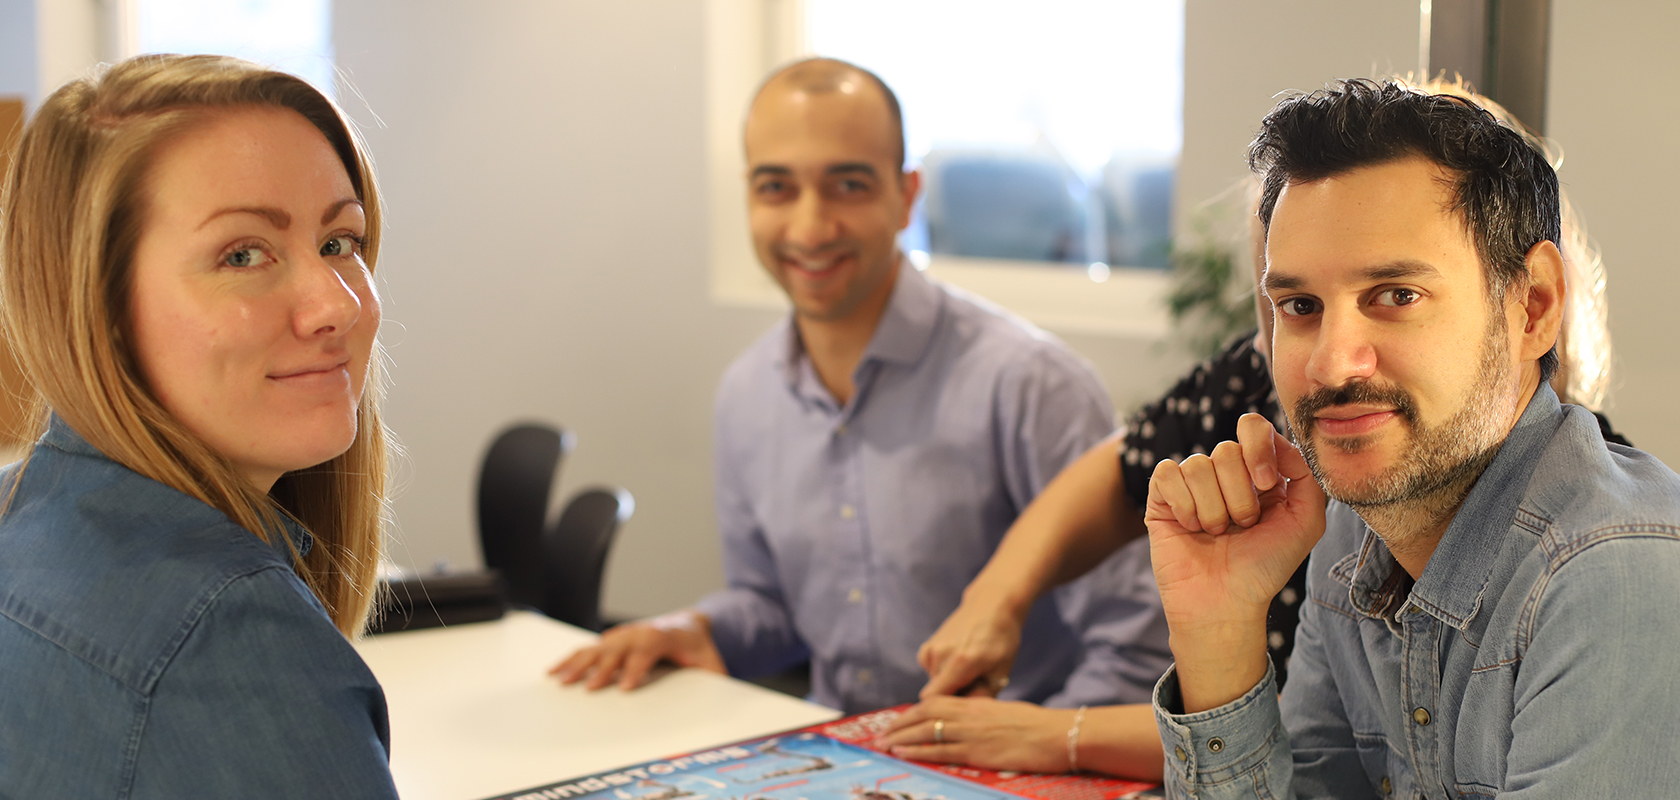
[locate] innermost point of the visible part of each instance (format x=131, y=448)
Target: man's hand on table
x=627, y=652
x=972, y=652
x=1225, y=534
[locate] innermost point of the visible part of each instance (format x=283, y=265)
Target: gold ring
x=939, y=731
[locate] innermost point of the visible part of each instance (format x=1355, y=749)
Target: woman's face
x=253, y=314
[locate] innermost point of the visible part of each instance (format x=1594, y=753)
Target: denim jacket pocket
x=1384, y=766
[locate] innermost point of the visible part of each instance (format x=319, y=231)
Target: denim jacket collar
x=1452, y=585
x=61, y=436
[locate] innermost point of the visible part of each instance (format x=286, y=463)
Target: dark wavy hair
x=1503, y=187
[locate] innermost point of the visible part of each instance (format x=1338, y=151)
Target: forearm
x=1121, y=740
x=1081, y=517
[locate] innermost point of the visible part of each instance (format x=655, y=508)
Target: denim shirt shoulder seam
x=190, y=621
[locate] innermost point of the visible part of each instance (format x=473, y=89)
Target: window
x=1044, y=136
x=290, y=35
x=1048, y=139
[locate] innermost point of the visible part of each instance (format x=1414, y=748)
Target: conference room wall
x=545, y=169
x=546, y=258
x=1610, y=103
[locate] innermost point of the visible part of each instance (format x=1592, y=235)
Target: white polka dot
x=1176, y=456
x=1228, y=402
x=1236, y=383
x=1288, y=596
x=1254, y=360
x=1207, y=422
x=1198, y=450
x=1274, y=640
x=1131, y=457
x=1207, y=403
x=1147, y=430
x=1148, y=457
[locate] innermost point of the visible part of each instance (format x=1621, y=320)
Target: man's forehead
x=1374, y=223
x=803, y=130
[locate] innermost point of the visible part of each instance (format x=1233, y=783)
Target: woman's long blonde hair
x=71, y=212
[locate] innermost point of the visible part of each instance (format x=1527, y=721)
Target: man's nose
x=1344, y=350
x=813, y=224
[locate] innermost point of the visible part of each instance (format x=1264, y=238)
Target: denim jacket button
x=1387, y=788
x=1179, y=751
x=1216, y=744
x=1420, y=715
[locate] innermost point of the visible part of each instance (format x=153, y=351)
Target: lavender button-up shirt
x=849, y=532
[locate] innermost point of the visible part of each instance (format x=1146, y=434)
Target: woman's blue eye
x=339, y=246
x=243, y=257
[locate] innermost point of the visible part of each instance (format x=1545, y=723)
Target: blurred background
x=567, y=237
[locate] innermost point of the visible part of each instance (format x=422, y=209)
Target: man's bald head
x=818, y=76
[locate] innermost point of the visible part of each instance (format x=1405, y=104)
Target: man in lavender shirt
x=873, y=448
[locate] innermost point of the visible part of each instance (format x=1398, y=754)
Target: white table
x=474, y=713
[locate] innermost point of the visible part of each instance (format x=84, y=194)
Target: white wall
x=17, y=51
x=1611, y=104
x=546, y=258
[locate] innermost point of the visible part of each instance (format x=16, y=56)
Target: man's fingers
x=1203, y=482
x=1292, y=466
x=1236, y=486
x=1255, y=433
x=607, y=662
x=636, y=666
x=955, y=675
x=574, y=665
x=1168, y=491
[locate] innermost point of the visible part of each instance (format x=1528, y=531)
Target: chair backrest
x=514, y=482
x=575, y=550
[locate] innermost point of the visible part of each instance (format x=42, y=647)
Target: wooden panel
x=13, y=413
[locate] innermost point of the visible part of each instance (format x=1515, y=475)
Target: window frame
x=745, y=39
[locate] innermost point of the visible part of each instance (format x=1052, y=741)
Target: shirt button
x=865, y=676
x=847, y=512
x=1387, y=788
x=1216, y=744
x=1179, y=751
x=1420, y=715
x=855, y=595
x=1413, y=609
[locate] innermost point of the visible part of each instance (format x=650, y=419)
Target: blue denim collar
x=1452, y=585
x=61, y=436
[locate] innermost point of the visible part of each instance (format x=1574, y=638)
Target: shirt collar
x=61, y=436
x=1452, y=584
x=901, y=336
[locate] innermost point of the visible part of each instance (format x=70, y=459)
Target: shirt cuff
x=1220, y=744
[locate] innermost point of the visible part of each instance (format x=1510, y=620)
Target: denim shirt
x=850, y=531
x=1537, y=656
x=151, y=648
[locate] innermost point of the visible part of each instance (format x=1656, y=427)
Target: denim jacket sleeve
x=1594, y=700
x=264, y=699
x=1236, y=750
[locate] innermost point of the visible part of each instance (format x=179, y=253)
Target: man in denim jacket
x=1490, y=602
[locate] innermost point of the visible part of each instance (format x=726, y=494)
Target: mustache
x=1305, y=415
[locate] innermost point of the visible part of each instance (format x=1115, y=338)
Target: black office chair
x=575, y=552
x=514, y=483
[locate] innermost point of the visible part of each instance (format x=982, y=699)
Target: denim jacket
x=151, y=648
x=1537, y=656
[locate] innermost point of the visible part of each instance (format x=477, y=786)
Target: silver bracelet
x=1073, y=739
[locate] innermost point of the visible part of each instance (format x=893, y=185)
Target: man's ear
x=1538, y=304
x=910, y=184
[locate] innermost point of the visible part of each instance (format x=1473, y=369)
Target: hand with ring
x=982, y=732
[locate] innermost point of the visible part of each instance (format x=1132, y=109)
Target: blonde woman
x=186, y=246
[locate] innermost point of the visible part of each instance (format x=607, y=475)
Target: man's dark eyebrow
x=851, y=167
x=1401, y=269
x=275, y=216
x=334, y=209
x=1397, y=270
x=770, y=169
x=1274, y=283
